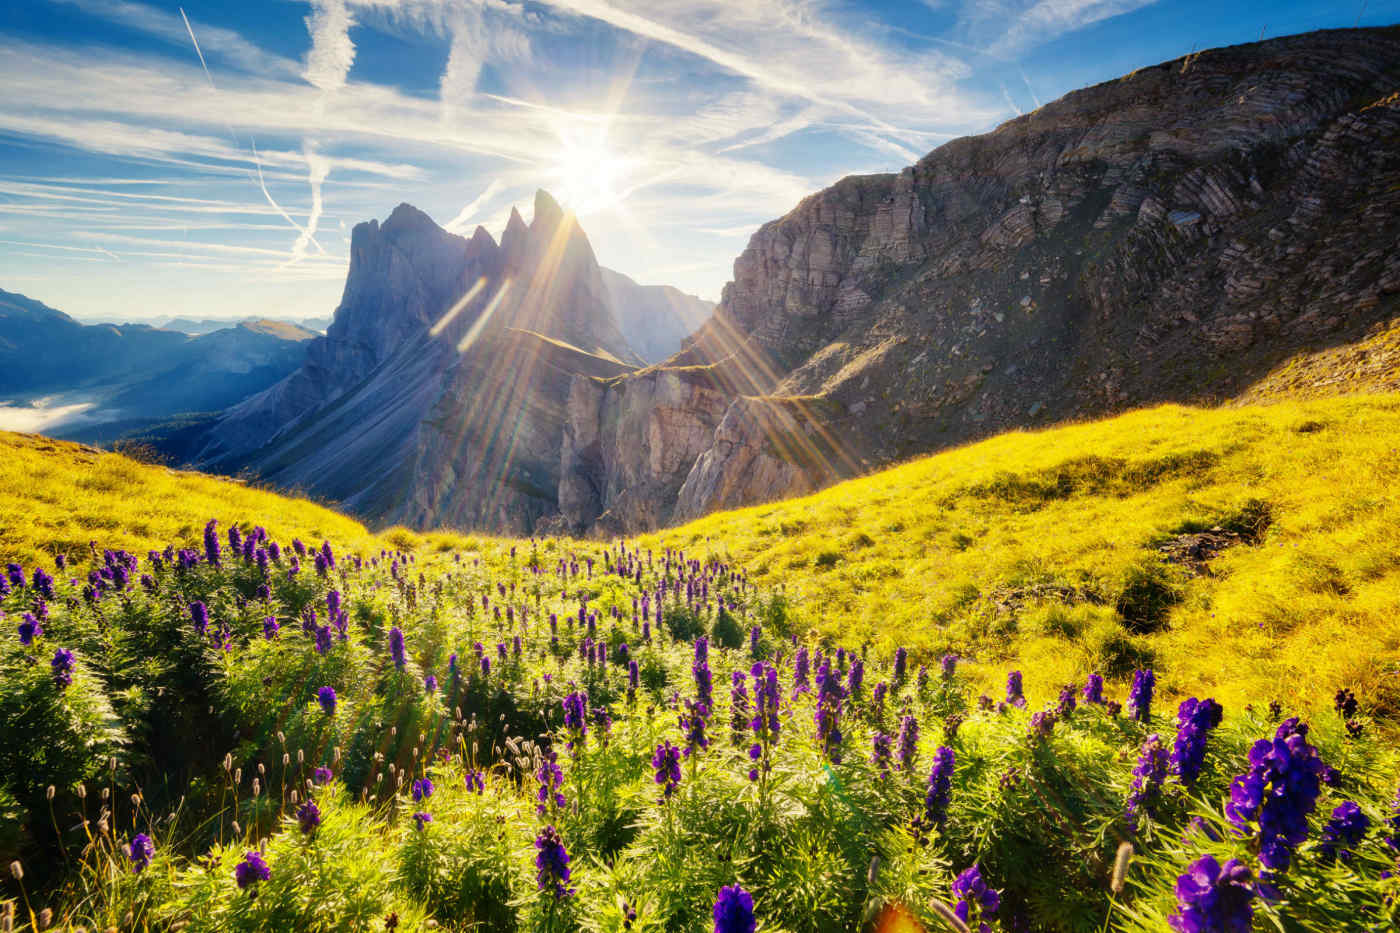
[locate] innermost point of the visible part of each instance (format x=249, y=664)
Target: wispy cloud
x=1044, y=20
x=332, y=53
x=469, y=213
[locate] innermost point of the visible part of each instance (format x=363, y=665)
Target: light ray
x=457, y=308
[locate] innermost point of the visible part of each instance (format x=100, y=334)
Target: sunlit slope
x=55, y=497
x=1041, y=550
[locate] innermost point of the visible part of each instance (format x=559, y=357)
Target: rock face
x=655, y=319
x=1171, y=235
x=438, y=393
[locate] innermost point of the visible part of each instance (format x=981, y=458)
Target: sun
x=589, y=176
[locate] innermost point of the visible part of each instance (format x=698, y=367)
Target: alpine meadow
x=804, y=466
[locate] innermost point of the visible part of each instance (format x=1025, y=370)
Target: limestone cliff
x=1170, y=235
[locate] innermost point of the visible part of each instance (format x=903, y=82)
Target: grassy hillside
x=59, y=496
x=444, y=732
x=1042, y=547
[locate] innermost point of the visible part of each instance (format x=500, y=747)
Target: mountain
x=655, y=319
x=195, y=327
x=437, y=395
x=1173, y=235
x=132, y=376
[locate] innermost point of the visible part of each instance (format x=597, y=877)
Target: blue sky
x=134, y=183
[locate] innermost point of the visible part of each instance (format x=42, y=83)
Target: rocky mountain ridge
x=1171, y=235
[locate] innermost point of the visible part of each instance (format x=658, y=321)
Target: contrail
x=254, y=146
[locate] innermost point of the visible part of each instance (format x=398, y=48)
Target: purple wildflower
x=733, y=911
x=576, y=717
x=308, y=817
x=422, y=790
x=211, y=542
x=666, y=762
x=550, y=779
x=430, y=684
x=141, y=851
x=422, y=818
x=907, y=745
x=29, y=629
x=270, y=627
x=940, y=787
x=1195, y=718
x=62, y=665
x=1344, y=830
x=1093, y=689
x=1014, y=696
x=948, y=666
x=1140, y=696
x=552, y=864
x=975, y=899
x=828, y=712
x=326, y=697
x=1278, y=793
x=881, y=753
x=396, y=649
x=322, y=776
x=199, y=615
x=251, y=870
x=1214, y=899
x=1148, y=775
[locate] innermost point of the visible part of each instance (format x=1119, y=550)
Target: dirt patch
x=1012, y=599
x=1195, y=551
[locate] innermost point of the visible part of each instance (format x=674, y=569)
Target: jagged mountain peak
x=548, y=214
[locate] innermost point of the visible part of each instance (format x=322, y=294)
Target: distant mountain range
x=194, y=327
x=110, y=379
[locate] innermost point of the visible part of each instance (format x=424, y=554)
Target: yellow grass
x=922, y=553
x=967, y=551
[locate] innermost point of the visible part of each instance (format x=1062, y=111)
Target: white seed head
x=1120, y=866
x=50, y=791
x=17, y=871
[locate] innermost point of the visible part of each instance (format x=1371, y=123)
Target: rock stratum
x=1173, y=235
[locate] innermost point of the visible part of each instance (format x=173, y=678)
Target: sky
x=209, y=159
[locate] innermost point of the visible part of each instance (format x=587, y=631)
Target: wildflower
x=552, y=863
x=1195, y=718
x=734, y=911
x=700, y=670
x=322, y=776
x=29, y=629
x=738, y=707
x=1148, y=776
x=800, y=672
x=576, y=717
x=1014, y=696
x=881, y=753
x=211, y=543
x=199, y=615
x=43, y=583
x=430, y=684
x=1278, y=793
x=975, y=899
x=901, y=661
x=828, y=712
x=907, y=745
x=948, y=666
x=1212, y=898
x=326, y=697
x=1392, y=823
x=62, y=665
x=1345, y=703
x=755, y=634
x=422, y=790
x=1065, y=708
x=323, y=639
x=667, y=764
x=476, y=782
x=692, y=723
x=251, y=870
x=270, y=628
x=308, y=817
x=1093, y=689
x=550, y=779
x=1345, y=829
x=940, y=787
x=422, y=818
x=1140, y=696
x=855, y=677
x=1042, y=724
x=396, y=651
x=141, y=851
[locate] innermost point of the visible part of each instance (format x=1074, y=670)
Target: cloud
x=224, y=44
x=1045, y=20
x=332, y=53
x=318, y=167
x=467, y=214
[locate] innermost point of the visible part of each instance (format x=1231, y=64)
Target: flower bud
x=49, y=792
x=17, y=871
